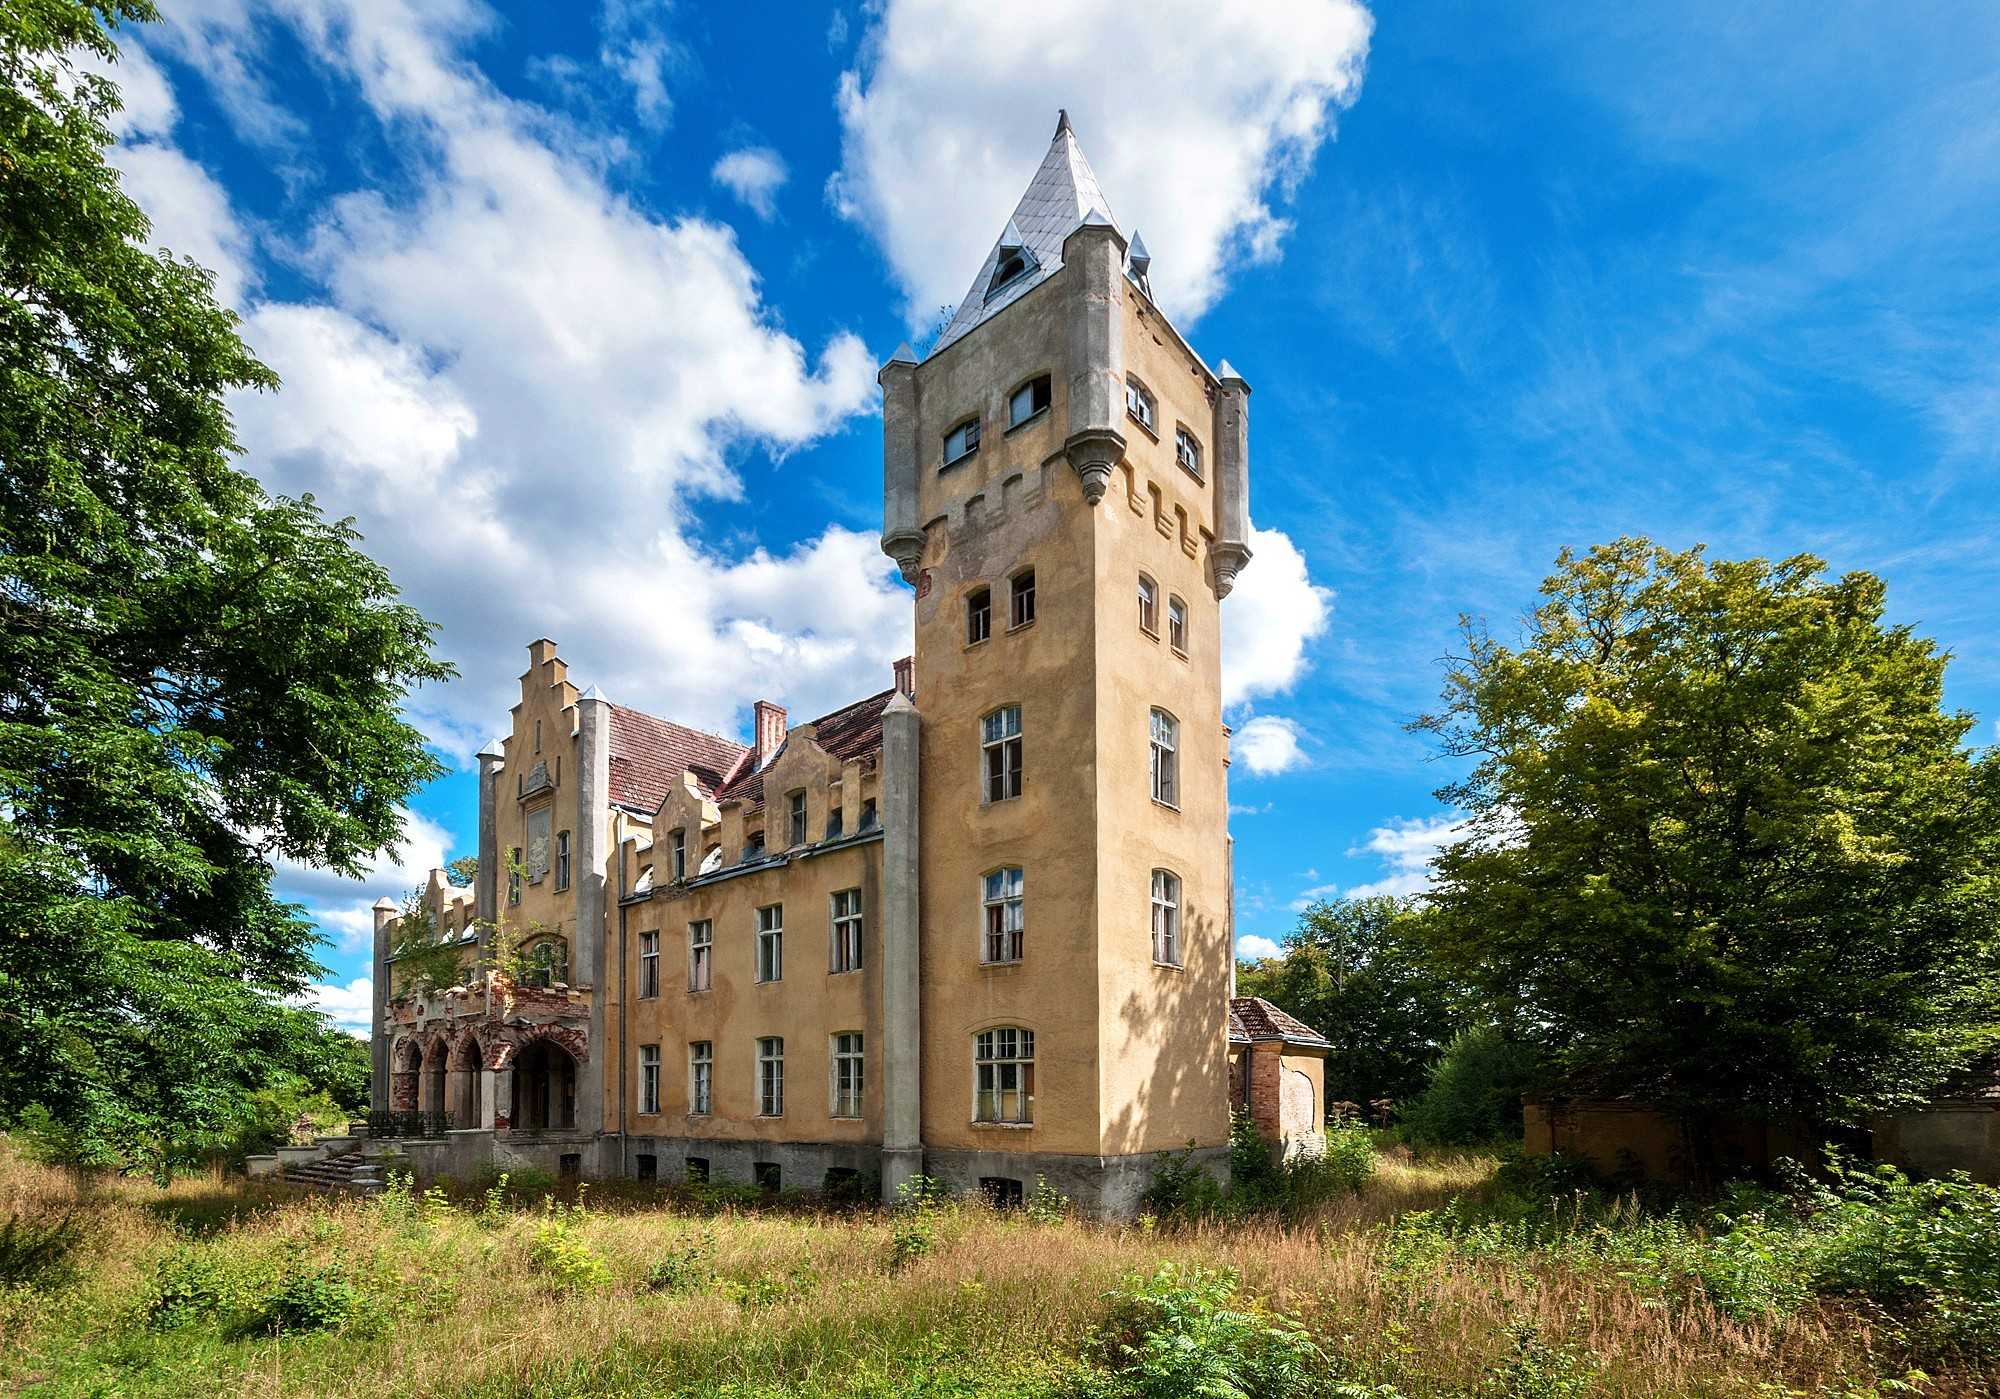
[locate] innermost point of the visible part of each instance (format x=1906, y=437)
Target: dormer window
x=1010, y=267
x=1012, y=260
x=1139, y=404
x=1187, y=451
x=962, y=441
x=1031, y=399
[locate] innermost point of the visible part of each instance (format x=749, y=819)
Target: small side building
x=1277, y=1073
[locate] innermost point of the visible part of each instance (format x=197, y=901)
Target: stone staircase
x=351, y=1170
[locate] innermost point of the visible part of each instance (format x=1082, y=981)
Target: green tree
x=200, y=679
x=1728, y=849
x=1359, y=972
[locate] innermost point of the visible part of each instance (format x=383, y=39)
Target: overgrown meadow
x=1393, y=1276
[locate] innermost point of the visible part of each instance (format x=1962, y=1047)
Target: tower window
x=1177, y=625
x=1005, y=927
x=1166, y=758
x=1000, y=742
x=962, y=441
x=1149, y=606
x=1023, y=599
x=1027, y=401
x=562, y=860
x=978, y=616
x=1139, y=404
x=514, y=875
x=771, y=943
x=1166, y=918
x=1003, y=1075
x=1187, y=451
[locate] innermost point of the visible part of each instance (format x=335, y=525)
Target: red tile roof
x=846, y=734
x=648, y=756
x=1254, y=1018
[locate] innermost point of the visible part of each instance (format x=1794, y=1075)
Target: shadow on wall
x=1182, y=1017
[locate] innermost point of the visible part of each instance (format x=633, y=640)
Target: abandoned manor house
x=976, y=926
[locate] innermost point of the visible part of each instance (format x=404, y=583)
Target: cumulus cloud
x=344, y=908
x=952, y=106
x=1253, y=948
x=1274, y=612
x=350, y=1007
x=754, y=175
x=524, y=386
x=1406, y=848
x=1306, y=898
x=1268, y=745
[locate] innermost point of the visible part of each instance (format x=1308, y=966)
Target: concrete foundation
x=1110, y=1187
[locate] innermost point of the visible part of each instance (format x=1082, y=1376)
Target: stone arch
x=572, y=1041
x=431, y=1085
x=406, y=1062
x=466, y=1088
x=545, y=1077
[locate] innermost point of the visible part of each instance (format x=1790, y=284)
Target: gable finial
x=1062, y=120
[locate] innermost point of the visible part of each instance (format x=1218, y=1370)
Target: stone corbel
x=1094, y=452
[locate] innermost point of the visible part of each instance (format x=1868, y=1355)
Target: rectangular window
x=1004, y=1075
x=1004, y=927
x=649, y=1079
x=1028, y=400
x=771, y=1077
x=847, y=1075
x=795, y=818
x=846, y=931
x=514, y=875
x=868, y=814
x=1001, y=1192
x=1000, y=742
x=768, y=1175
x=1187, y=451
x=1149, y=605
x=1166, y=758
x=1139, y=404
x=1023, y=599
x=646, y=1166
x=771, y=943
x=701, y=955
x=961, y=442
x=649, y=966
x=978, y=616
x=836, y=820
x=562, y=861
x=1177, y=625
x=1166, y=918
x=701, y=1080
x=697, y=1170
x=678, y=843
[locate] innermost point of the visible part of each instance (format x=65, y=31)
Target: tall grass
x=216, y=1286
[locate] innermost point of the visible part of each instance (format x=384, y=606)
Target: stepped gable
x=846, y=734
x=649, y=754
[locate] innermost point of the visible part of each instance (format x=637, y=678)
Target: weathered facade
x=977, y=925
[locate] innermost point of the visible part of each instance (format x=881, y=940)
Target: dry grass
x=814, y=1303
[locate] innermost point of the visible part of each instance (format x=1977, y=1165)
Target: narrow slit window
x=1023, y=599
x=978, y=616
x=1000, y=741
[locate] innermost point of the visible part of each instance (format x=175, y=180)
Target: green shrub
x=1046, y=1204
x=1182, y=1189
x=1475, y=1092
x=1350, y=1158
x=560, y=1255
x=39, y=1253
x=517, y=1186
x=189, y=1286
x=315, y=1299
x=1535, y=1369
x=688, y=1268
x=1185, y=1333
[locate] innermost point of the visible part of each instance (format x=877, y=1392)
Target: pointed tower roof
x=1062, y=195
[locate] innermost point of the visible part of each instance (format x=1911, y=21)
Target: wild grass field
x=1438, y=1277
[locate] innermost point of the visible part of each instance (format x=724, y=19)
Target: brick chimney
x=906, y=676
x=770, y=730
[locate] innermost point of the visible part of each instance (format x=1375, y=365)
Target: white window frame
x=1187, y=451
x=1141, y=406
x=967, y=436
x=701, y=954
x=795, y=817
x=844, y=910
x=1021, y=600
x=679, y=845
x=701, y=1078
x=978, y=615
x=649, y=1080
x=649, y=965
x=1149, y=606
x=1164, y=739
x=771, y=1076
x=1166, y=904
x=1177, y=624
x=847, y=1068
x=1002, y=1055
x=1001, y=755
x=771, y=943
x=1003, y=921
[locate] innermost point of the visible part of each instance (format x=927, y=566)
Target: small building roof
x=1252, y=1018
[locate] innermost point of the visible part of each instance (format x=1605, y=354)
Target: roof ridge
x=675, y=723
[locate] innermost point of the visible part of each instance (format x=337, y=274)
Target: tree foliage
x=1727, y=846
x=200, y=678
x=1358, y=971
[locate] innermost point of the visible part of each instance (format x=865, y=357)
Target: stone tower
x=1065, y=486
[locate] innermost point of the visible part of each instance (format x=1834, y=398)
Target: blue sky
x=578, y=311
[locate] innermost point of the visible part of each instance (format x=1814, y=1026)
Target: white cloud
x=344, y=908
x=1274, y=611
x=524, y=386
x=1406, y=848
x=1253, y=948
x=1268, y=745
x=1306, y=898
x=190, y=213
x=350, y=1007
x=1198, y=118
x=754, y=175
